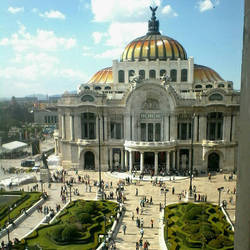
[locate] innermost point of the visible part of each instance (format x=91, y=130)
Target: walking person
x=124, y=227
x=137, y=210
x=132, y=216
x=152, y=223
x=136, y=192
x=141, y=232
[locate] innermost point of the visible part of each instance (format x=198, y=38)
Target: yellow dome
x=205, y=74
x=152, y=47
x=103, y=76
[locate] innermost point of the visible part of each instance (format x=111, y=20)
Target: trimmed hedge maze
x=22, y=200
x=77, y=227
x=194, y=226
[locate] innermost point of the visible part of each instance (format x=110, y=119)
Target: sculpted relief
x=150, y=104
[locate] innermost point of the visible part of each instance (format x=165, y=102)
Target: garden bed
x=21, y=200
x=77, y=227
x=197, y=226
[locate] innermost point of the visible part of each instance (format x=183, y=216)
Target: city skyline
x=51, y=47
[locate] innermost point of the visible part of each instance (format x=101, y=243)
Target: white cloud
x=205, y=5
x=168, y=11
x=73, y=74
x=14, y=10
x=114, y=53
x=43, y=40
x=34, y=10
x=120, y=10
x=97, y=36
x=55, y=14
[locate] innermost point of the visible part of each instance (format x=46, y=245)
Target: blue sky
x=51, y=46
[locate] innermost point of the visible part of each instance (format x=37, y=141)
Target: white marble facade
x=150, y=123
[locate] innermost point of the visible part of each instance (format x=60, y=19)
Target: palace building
x=154, y=111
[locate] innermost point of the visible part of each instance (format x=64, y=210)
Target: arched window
x=162, y=72
x=86, y=87
x=88, y=125
x=120, y=76
x=229, y=86
x=152, y=73
x=215, y=97
x=198, y=86
x=98, y=88
x=142, y=73
x=221, y=85
x=173, y=75
x=107, y=88
x=209, y=86
x=130, y=74
x=184, y=75
x=214, y=126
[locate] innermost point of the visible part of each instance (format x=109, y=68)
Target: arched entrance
x=89, y=160
x=213, y=163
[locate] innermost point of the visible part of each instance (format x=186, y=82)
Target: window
x=116, y=130
x=143, y=131
x=107, y=88
x=214, y=126
x=162, y=72
x=130, y=74
x=45, y=119
x=120, y=76
x=88, y=125
x=98, y=88
x=221, y=85
x=142, y=73
x=152, y=73
x=173, y=75
x=184, y=75
x=157, y=132
x=150, y=132
x=209, y=86
x=215, y=97
x=86, y=87
x=198, y=86
x=184, y=131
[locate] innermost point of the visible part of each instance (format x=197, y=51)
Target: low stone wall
x=21, y=218
x=115, y=227
x=161, y=231
x=227, y=217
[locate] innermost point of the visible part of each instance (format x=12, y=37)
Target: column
x=174, y=152
x=226, y=127
x=122, y=158
x=63, y=126
x=146, y=131
x=168, y=160
x=77, y=127
x=96, y=126
x=71, y=121
x=178, y=159
x=153, y=131
x=105, y=128
x=156, y=163
x=194, y=129
x=56, y=146
x=142, y=162
x=173, y=127
x=126, y=160
x=111, y=158
x=130, y=161
x=203, y=128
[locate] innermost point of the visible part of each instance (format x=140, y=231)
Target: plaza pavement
x=145, y=188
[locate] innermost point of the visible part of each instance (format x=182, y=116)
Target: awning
x=15, y=145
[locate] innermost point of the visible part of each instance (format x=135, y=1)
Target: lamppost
x=219, y=190
x=99, y=191
x=192, y=158
x=166, y=224
x=8, y=231
x=70, y=186
x=41, y=185
x=165, y=196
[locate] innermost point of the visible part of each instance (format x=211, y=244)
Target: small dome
x=103, y=76
x=205, y=74
x=152, y=47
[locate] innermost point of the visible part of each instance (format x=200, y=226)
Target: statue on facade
x=45, y=161
x=165, y=80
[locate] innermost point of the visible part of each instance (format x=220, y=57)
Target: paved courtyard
x=150, y=212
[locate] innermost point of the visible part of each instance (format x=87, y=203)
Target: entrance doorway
x=149, y=158
x=89, y=160
x=213, y=162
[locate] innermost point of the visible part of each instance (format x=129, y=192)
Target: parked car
x=28, y=163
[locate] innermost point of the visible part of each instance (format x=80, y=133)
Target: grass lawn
x=18, y=201
x=77, y=227
x=197, y=226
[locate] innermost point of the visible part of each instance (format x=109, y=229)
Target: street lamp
x=219, y=190
x=192, y=157
x=41, y=185
x=70, y=185
x=99, y=191
x=165, y=196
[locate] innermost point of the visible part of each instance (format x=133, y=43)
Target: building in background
x=149, y=110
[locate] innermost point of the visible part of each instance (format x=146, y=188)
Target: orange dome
x=205, y=74
x=103, y=76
